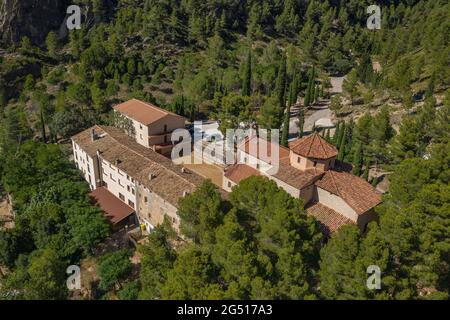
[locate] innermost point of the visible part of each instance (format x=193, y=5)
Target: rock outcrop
x=31, y=18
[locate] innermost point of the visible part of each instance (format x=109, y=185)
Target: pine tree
x=247, y=82
x=430, y=87
x=51, y=43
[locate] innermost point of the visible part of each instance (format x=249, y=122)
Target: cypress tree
x=247, y=82
x=309, y=95
x=342, y=133
x=327, y=136
x=357, y=160
x=301, y=121
x=342, y=145
x=337, y=134
x=366, y=173
x=280, y=87
x=291, y=94
x=285, y=134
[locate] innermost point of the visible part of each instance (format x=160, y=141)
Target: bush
x=113, y=267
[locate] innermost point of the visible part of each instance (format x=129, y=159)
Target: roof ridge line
x=150, y=160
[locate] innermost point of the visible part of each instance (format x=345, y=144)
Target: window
x=257, y=166
x=90, y=182
x=315, y=163
x=121, y=184
x=128, y=188
x=140, y=126
x=131, y=203
x=121, y=196
x=133, y=192
x=229, y=184
x=165, y=128
x=89, y=169
x=299, y=159
x=145, y=199
x=128, y=177
x=142, y=137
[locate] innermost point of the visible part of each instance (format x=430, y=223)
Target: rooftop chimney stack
x=93, y=135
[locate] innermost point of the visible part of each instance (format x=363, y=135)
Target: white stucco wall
x=86, y=164
x=118, y=181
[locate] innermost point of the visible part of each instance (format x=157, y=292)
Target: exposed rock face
x=31, y=18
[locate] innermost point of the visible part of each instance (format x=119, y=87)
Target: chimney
x=93, y=135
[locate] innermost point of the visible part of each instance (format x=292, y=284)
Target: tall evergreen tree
x=301, y=121
x=357, y=160
x=247, y=81
x=285, y=134
x=342, y=145
x=280, y=87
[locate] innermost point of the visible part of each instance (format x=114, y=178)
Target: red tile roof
x=313, y=146
x=265, y=155
x=143, y=112
x=356, y=192
x=239, y=172
x=329, y=220
x=295, y=177
x=115, y=210
x=169, y=181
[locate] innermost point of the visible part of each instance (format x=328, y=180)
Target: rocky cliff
x=31, y=18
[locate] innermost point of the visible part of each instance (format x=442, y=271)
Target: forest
x=239, y=62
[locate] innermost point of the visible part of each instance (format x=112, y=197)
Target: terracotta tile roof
x=239, y=172
x=356, y=192
x=329, y=220
x=265, y=156
x=295, y=177
x=168, y=181
x=114, y=209
x=313, y=146
x=143, y=112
